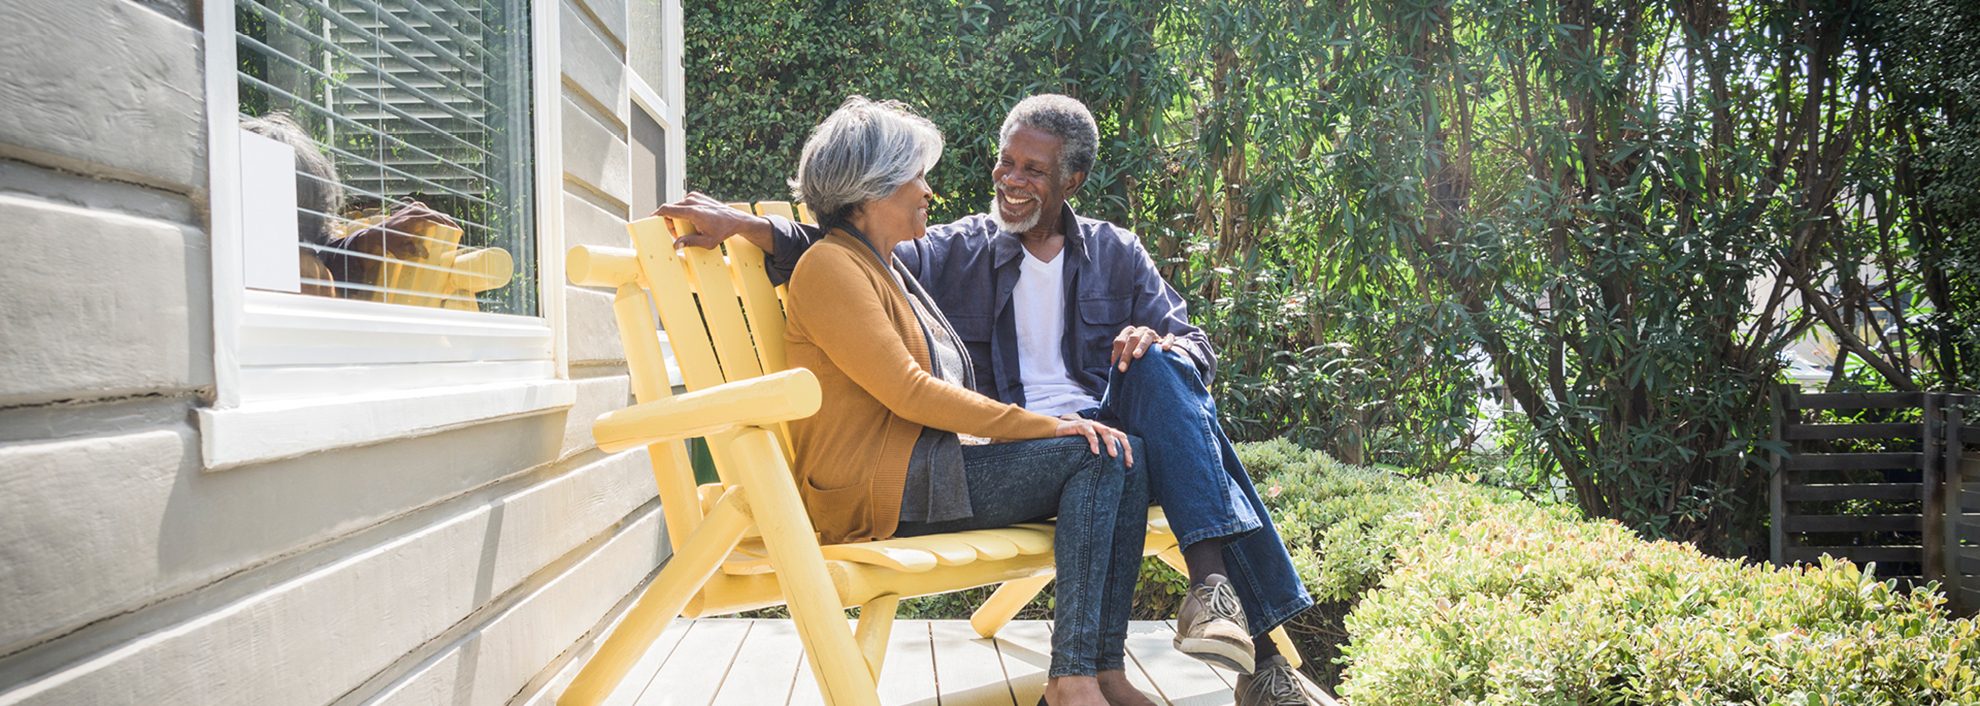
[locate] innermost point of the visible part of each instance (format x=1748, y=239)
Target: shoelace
x=1220, y=601
x=1279, y=686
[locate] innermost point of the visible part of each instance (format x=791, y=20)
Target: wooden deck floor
x=749, y=662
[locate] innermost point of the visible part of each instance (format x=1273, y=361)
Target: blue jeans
x=1102, y=508
x=1195, y=475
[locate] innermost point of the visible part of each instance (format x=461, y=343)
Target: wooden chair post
x=876, y=624
x=1004, y=604
x=693, y=562
x=836, y=661
x=673, y=474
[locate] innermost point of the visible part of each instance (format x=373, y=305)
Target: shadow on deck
x=755, y=662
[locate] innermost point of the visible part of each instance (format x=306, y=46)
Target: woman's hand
x=1096, y=434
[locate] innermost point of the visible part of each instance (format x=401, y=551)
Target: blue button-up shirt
x=970, y=267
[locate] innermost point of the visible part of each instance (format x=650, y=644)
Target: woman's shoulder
x=830, y=258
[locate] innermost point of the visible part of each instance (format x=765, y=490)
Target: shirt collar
x=1005, y=245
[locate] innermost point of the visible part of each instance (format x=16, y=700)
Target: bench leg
x=1173, y=556
x=693, y=562
x=836, y=660
x=876, y=623
x=1005, y=603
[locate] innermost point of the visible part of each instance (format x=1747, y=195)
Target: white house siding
x=468, y=566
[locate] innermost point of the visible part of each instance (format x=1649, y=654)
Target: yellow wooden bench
x=746, y=542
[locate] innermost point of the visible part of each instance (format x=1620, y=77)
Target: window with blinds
x=411, y=129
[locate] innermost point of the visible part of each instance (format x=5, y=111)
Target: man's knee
x=1161, y=365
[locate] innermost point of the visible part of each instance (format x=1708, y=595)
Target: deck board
x=765, y=668
x=908, y=676
x=968, y=669
x=649, y=664
x=929, y=663
x=1180, y=678
x=1026, y=651
x=698, y=666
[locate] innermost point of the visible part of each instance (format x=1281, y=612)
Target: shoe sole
x=1218, y=653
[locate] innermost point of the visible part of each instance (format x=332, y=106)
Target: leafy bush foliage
x=1606, y=217
x=1463, y=594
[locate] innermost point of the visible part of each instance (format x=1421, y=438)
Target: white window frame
x=295, y=374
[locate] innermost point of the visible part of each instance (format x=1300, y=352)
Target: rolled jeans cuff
x=1230, y=530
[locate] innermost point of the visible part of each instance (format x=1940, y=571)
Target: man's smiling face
x=1027, y=179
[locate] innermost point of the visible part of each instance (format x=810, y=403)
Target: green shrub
x=1467, y=595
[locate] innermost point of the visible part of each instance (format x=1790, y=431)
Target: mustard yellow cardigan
x=851, y=325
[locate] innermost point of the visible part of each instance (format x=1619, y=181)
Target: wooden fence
x=1880, y=478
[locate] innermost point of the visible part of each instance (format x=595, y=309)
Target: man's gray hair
x=321, y=191
x=1063, y=117
x=864, y=151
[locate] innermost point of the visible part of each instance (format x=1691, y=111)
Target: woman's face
x=902, y=214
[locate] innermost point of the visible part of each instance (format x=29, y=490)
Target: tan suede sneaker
x=1276, y=683
x=1210, y=626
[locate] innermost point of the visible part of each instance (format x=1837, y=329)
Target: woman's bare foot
x=1119, y=691
x=1074, y=691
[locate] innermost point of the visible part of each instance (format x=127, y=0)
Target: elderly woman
x=897, y=447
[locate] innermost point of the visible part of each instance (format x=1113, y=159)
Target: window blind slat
x=382, y=198
x=276, y=54
x=372, y=68
x=345, y=22
x=381, y=135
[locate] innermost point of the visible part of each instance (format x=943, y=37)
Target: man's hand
x=714, y=222
x=1133, y=342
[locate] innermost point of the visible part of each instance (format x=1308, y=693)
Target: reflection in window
x=410, y=122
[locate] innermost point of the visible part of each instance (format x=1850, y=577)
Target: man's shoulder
x=1105, y=238
x=975, y=228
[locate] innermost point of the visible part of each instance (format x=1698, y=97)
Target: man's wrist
x=760, y=233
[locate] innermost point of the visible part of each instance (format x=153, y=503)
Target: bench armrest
x=759, y=401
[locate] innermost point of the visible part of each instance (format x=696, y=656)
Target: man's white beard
x=997, y=214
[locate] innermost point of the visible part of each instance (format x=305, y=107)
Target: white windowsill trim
x=285, y=429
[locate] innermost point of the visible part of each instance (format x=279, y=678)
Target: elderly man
x=1068, y=316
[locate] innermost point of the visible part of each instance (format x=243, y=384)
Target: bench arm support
x=758, y=401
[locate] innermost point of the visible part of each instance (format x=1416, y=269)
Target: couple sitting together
x=1010, y=367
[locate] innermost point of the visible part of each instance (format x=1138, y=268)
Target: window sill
x=274, y=430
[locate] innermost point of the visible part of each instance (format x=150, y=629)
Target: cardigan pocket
x=852, y=503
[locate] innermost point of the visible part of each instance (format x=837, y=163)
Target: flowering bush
x=1468, y=595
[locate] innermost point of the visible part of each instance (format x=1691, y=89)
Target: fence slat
x=1855, y=523
x=1854, y=462
x=1958, y=503
x=1784, y=413
x=1935, y=494
x=1859, y=400
x=1857, y=554
x=1832, y=432
x=1819, y=492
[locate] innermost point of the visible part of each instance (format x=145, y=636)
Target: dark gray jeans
x=1102, y=508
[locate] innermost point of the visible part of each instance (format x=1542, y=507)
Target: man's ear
x=1072, y=185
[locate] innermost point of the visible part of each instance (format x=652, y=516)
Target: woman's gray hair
x=322, y=192
x=864, y=151
x=1061, y=116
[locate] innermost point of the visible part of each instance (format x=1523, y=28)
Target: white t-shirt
x=1040, y=303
